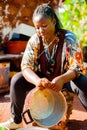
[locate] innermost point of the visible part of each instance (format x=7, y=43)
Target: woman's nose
x=41, y=30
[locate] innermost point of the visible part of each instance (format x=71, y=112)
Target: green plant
x=74, y=16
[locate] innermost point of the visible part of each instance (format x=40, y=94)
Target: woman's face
x=45, y=27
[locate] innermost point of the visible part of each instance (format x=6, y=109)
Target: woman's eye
x=44, y=26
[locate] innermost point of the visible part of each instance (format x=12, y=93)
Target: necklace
x=54, y=40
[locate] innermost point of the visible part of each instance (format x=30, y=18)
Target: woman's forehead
x=41, y=18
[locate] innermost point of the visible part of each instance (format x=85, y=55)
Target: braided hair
x=46, y=10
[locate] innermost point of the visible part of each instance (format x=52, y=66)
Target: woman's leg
x=19, y=87
x=79, y=87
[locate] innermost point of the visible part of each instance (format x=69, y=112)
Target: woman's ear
x=54, y=21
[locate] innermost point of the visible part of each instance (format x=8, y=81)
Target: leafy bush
x=73, y=14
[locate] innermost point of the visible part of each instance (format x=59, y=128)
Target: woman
x=52, y=59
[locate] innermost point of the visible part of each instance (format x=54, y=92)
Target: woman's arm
x=30, y=75
x=33, y=78
x=72, y=65
x=62, y=79
x=74, y=58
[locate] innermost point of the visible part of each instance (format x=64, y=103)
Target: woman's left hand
x=57, y=83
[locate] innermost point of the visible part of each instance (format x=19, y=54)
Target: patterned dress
x=71, y=54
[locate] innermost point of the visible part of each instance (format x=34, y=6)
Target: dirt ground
x=78, y=118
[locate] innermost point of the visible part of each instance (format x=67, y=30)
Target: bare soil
x=78, y=118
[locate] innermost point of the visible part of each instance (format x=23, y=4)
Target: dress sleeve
x=74, y=58
x=30, y=55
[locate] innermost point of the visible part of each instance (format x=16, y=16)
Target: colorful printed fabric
x=71, y=53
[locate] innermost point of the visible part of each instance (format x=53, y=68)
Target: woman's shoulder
x=67, y=33
x=70, y=33
x=70, y=37
x=34, y=39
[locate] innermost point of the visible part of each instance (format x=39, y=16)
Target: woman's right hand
x=43, y=83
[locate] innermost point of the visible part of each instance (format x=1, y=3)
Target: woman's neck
x=51, y=40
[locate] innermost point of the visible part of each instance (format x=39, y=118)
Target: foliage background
x=73, y=14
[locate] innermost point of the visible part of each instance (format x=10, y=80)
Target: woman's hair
x=47, y=11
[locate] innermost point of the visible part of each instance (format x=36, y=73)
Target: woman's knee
x=16, y=79
x=81, y=83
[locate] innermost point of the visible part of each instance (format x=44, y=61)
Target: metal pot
x=33, y=128
x=47, y=108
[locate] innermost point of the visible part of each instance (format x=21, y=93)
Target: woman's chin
x=45, y=38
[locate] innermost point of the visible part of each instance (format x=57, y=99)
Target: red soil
x=78, y=118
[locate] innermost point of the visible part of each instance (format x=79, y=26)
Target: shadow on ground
x=77, y=125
